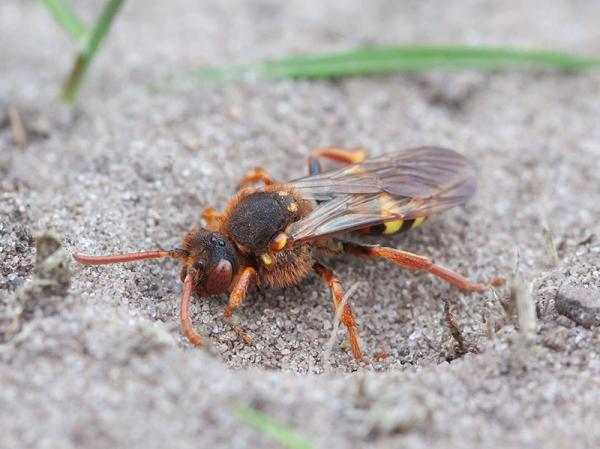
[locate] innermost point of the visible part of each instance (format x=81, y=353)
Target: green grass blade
x=66, y=19
x=102, y=25
x=279, y=432
x=372, y=61
x=87, y=54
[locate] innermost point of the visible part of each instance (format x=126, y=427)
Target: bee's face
x=211, y=259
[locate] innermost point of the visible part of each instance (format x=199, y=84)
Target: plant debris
x=43, y=293
x=520, y=293
x=460, y=348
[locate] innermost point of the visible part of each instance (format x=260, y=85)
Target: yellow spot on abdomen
x=391, y=227
x=417, y=222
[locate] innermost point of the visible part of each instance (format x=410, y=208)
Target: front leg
x=241, y=284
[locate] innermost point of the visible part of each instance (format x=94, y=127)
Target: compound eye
x=219, y=277
x=279, y=242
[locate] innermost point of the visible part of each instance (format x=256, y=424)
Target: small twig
x=454, y=330
x=17, y=126
x=521, y=293
x=499, y=313
x=586, y=240
x=336, y=325
x=550, y=246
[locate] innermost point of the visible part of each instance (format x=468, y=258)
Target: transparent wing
x=408, y=184
x=415, y=172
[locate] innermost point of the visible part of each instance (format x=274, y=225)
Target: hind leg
x=411, y=261
x=343, y=155
x=254, y=176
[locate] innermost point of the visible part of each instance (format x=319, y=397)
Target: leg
x=342, y=155
x=128, y=257
x=186, y=325
x=241, y=285
x=413, y=262
x=347, y=317
x=254, y=176
x=212, y=218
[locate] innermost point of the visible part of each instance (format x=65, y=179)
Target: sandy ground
x=103, y=362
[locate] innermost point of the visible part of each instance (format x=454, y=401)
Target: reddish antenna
x=127, y=257
x=188, y=283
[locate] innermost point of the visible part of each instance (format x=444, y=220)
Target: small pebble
x=579, y=304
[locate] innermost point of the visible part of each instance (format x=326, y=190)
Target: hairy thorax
x=255, y=218
x=288, y=266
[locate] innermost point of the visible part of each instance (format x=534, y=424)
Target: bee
x=278, y=233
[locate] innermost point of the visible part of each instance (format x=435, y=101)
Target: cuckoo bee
x=276, y=234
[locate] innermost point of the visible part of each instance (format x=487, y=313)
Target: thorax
x=254, y=218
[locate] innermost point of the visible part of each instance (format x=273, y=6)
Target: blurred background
x=151, y=41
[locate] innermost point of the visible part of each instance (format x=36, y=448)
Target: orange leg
x=343, y=155
x=188, y=330
x=256, y=175
x=241, y=285
x=212, y=218
x=188, y=285
x=347, y=316
x=382, y=355
x=127, y=257
x=413, y=262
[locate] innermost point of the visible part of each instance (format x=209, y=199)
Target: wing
x=403, y=185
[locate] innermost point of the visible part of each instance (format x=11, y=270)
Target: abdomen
x=392, y=227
